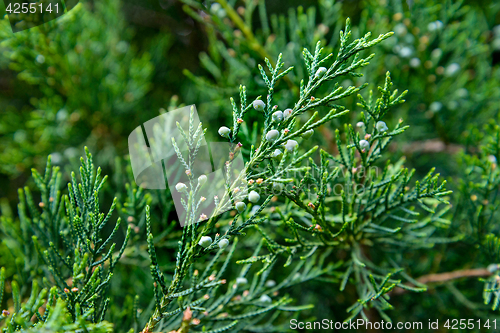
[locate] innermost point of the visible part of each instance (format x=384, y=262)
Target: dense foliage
x=341, y=147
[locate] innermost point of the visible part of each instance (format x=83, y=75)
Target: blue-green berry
x=270, y=283
x=492, y=268
x=365, y=145
x=278, y=187
x=265, y=299
x=381, y=126
x=320, y=72
x=240, y=206
x=272, y=135
x=436, y=106
x=202, y=180
x=241, y=281
x=205, y=241
x=278, y=116
x=277, y=153
x=259, y=105
x=223, y=243
x=181, y=187
x=224, y=132
x=290, y=145
x=253, y=197
x=452, y=69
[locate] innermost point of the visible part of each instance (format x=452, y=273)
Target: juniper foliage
x=69, y=250
x=445, y=53
x=479, y=205
x=344, y=216
x=345, y=221
x=58, y=63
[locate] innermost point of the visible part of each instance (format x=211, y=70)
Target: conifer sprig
x=68, y=239
x=480, y=205
x=273, y=164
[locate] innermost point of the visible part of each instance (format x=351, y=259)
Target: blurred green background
x=93, y=75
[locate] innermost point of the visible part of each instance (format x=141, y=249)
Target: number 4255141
x=32, y=8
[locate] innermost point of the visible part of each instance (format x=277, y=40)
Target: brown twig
x=446, y=277
x=430, y=146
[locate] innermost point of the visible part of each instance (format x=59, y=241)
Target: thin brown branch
x=446, y=277
x=431, y=146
